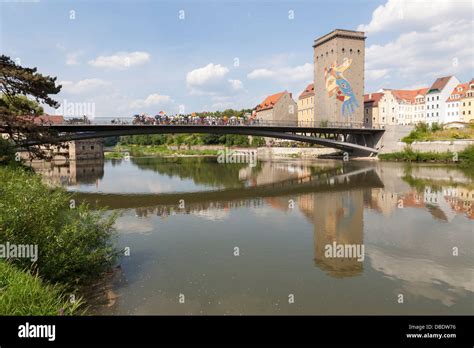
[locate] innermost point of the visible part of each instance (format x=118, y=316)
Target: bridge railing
x=233, y=122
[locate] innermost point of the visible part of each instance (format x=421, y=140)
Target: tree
x=18, y=104
x=17, y=111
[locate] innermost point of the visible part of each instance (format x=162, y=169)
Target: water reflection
x=410, y=219
x=67, y=173
x=339, y=220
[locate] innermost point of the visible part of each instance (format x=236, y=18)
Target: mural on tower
x=339, y=87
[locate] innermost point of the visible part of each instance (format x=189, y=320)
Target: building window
x=83, y=147
x=92, y=147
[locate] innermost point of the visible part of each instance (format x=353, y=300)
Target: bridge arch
x=79, y=132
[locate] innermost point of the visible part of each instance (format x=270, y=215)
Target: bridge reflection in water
x=407, y=217
x=332, y=201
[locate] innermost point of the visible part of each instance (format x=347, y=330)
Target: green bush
x=436, y=127
x=74, y=243
x=7, y=153
x=114, y=155
x=465, y=158
x=258, y=141
x=24, y=294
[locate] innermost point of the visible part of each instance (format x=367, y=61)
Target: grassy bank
x=75, y=245
x=423, y=132
x=155, y=150
x=464, y=158
x=22, y=293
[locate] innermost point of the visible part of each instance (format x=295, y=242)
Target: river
x=207, y=238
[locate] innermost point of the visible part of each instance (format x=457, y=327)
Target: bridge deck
x=312, y=135
x=192, y=128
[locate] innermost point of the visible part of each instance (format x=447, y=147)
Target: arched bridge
x=356, y=140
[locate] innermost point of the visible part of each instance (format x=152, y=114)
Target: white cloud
x=151, y=100
x=210, y=74
x=83, y=86
x=121, y=60
x=72, y=58
x=293, y=74
x=441, y=50
x=261, y=73
x=434, y=39
x=376, y=74
x=414, y=14
x=236, y=84
x=211, y=80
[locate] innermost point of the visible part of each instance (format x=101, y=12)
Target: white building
x=436, y=99
x=411, y=105
x=388, y=108
x=453, y=103
x=402, y=107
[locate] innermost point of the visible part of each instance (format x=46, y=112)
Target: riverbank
x=464, y=158
x=73, y=246
x=22, y=293
x=121, y=151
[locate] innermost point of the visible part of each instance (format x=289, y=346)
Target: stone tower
x=339, y=77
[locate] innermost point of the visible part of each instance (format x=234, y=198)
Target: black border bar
x=290, y=330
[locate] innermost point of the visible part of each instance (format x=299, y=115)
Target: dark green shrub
x=74, y=244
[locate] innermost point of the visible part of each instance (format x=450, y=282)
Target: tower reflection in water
x=337, y=219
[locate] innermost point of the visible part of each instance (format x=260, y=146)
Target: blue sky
x=130, y=57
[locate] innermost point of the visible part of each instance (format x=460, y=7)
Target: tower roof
x=342, y=33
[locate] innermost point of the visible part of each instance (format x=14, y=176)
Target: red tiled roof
x=373, y=97
x=440, y=83
x=408, y=95
x=458, y=92
x=270, y=101
x=58, y=119
x=308, y=92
